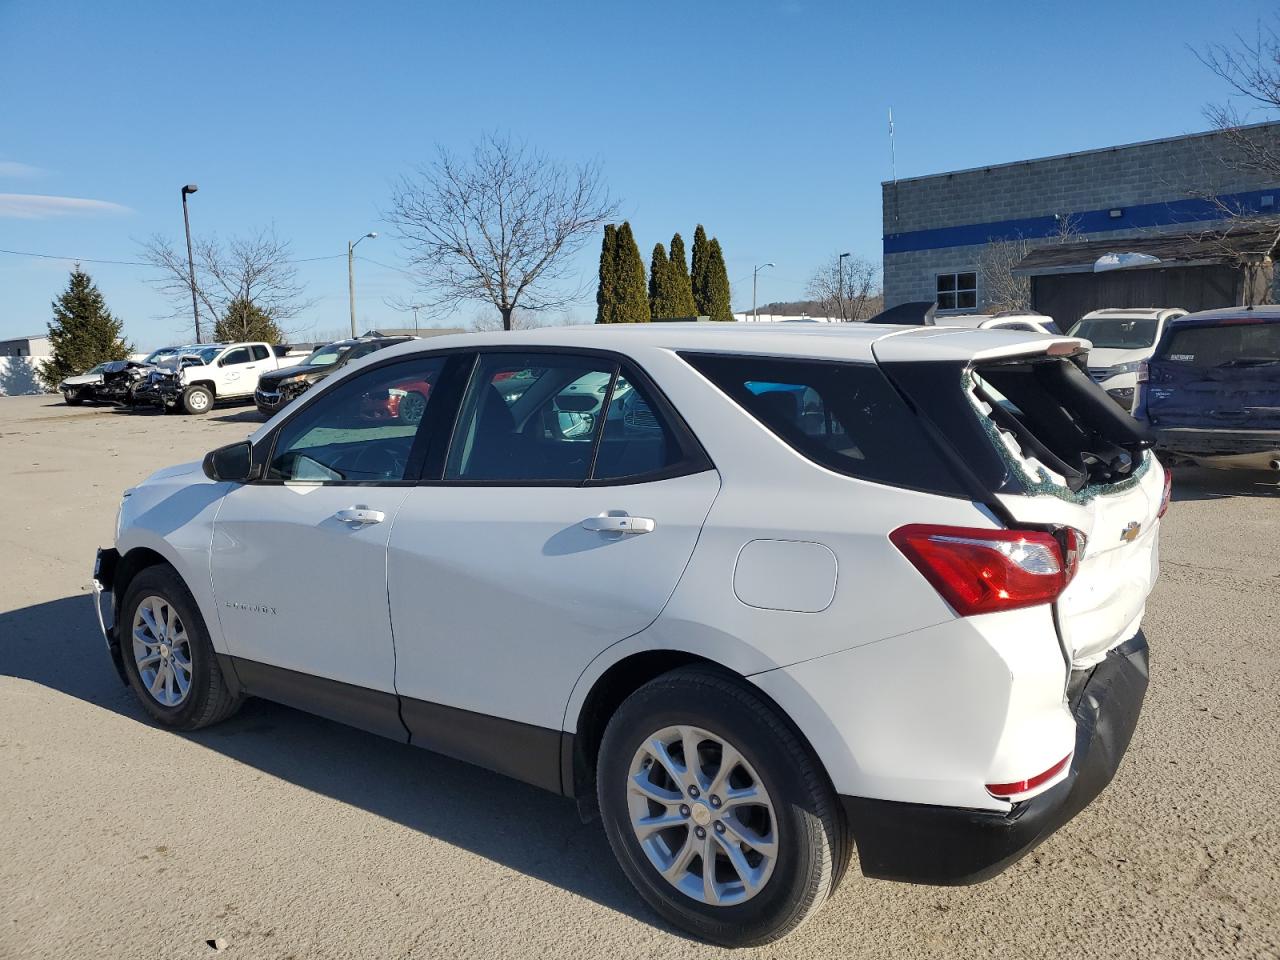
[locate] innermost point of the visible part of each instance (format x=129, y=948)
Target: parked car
x=196, y=379
x=813, y=589
x=1122, y=339
x=1028, y=322
x=1212, y=389
x=112, y=381
x=276, y=388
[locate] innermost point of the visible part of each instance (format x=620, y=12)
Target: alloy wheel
x=702, y=815
x=162, y=651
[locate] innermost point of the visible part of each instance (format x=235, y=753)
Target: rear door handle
x=628, y=525
x=360, y=514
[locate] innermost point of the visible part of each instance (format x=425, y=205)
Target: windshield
x=97, y=369
x=158, y=354
x=324, y=356
x=1117, y=333
x=208, y=354
x=1225, y=345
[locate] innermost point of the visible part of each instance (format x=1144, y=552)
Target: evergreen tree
x=245, y=320
x=683, y=289
x=633, y=297
x=718, y=294
x=607, y=291
x=698, y=272
x=659, y=284
x=83, y=332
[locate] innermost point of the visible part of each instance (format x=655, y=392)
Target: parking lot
x=290, y=836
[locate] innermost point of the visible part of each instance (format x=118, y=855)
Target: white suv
x=1122, y=340
x=754, y=595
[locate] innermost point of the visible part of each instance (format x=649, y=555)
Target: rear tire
x=792, y=845
x=197, y=400
x=164, y=642
x=72, y=401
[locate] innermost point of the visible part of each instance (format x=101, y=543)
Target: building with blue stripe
x=937, y=227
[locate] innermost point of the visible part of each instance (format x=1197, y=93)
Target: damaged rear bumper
x=104, y=572
x=1245, y=449
x=918, y=843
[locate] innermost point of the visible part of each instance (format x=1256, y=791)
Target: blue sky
x=764, y=121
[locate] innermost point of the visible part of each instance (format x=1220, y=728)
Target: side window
x=844, y=416
x=260, y=352
x=636, y=441
x=231, y=357
x=530, y=418
x=360, y=431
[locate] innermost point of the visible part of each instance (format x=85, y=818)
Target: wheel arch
x=581, y=743
x=207, y=384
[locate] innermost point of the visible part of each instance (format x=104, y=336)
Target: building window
x=957, y=291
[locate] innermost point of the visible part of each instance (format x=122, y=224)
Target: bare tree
x=1251, y=69
x=846, y=288
x=255, y=269
x=1002, y=289
x=498, y=227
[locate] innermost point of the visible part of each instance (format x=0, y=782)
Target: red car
x=405, y=401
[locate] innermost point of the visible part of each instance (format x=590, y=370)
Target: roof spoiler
x=915, y=313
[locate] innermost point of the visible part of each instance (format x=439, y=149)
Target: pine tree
x=607, y=291
x=698, y=272
x=83, y=332
x=659, y=284
x=718, y=294
x=683, y=289
x=245, y=320
x=633, y=297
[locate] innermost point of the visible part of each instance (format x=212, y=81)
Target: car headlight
x=1130, y=367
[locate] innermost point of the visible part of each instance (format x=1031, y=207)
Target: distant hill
x=808, y=308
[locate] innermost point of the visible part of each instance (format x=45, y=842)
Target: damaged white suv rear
x=755, y=596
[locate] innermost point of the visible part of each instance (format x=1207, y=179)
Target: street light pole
x=755, y=272
x=191, y=260
x=840, y=260
x=351, y=277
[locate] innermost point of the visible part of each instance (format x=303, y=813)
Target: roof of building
x=33, y=336
x=1186, y=249
x=1076, y=153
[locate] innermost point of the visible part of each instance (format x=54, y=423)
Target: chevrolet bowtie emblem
x=1131, y=531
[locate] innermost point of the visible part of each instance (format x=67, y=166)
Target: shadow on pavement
x=58, y=645
x=1204, y=483
x=240, y=416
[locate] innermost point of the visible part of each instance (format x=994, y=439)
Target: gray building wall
x=941, y=223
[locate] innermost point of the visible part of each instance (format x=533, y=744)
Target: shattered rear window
x=1060, y=432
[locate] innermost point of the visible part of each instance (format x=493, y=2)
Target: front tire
x=73, y=400
x=738, y=847
x=197, y=400
x=167, y=655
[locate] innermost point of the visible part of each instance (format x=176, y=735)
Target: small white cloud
x=11, y=168
x=32, y=206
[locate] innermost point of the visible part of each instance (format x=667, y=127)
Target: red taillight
x=1022, y=786
x=1168, y=492
x=985, y=571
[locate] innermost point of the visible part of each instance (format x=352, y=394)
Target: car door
x=558, y=523
x=299, y=557
x=237, y=372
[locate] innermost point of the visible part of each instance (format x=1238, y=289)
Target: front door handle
x=360, y=514
x=629, y=525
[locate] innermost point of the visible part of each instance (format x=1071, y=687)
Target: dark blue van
x=1212, y=393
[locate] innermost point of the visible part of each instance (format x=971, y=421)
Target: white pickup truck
x=196, y=378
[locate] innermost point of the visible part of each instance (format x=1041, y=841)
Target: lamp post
x=840, y=261
x=191, y=260
x=351, y=276
x=755, y=272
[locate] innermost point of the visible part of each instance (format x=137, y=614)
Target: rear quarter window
x=844, y=416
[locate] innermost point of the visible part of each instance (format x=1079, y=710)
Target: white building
x=36, y=345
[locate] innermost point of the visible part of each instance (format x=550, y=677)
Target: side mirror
x=233, y=463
